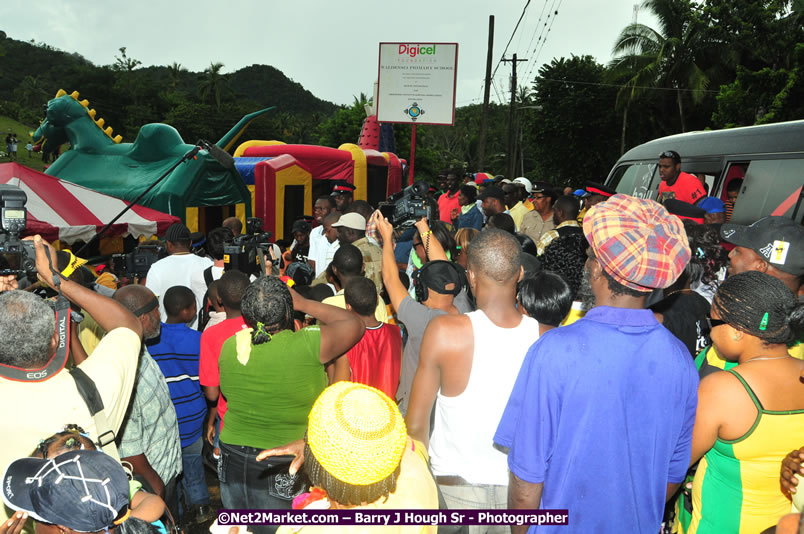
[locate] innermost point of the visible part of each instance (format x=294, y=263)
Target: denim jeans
x=247, y=483
x=193, y=482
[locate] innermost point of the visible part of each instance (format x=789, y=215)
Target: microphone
x=218, y=154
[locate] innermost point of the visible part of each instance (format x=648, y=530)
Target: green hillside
x=10, y=125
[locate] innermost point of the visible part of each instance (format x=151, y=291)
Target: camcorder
x=409, y=205
x=16, y=256
x=246, y=253
x=137, y=262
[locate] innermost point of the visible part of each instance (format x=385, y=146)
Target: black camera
x=137, y=262
x=244, y=252
x=409, y=205
x=16, y=256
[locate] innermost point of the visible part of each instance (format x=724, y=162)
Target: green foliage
x=570, y=107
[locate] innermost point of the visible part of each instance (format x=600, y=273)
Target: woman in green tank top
x=750, y=417
x=271, y=374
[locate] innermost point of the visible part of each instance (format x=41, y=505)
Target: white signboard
x=417, y=83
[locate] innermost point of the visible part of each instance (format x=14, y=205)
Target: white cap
x=524, y=182
x=353, y=220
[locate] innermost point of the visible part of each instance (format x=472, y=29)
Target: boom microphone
x=218, y=154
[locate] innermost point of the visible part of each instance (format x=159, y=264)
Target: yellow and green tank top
x=736, y=488
x=709, y=360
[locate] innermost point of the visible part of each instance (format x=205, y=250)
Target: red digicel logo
x=414, y=50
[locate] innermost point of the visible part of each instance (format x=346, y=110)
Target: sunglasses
x=715, y=322
x=670, y=154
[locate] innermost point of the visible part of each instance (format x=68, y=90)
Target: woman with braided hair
x=271, y=375
x=748, y=417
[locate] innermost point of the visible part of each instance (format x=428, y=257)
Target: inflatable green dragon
x=103, y=163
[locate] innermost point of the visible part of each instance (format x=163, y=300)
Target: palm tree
x=30, y=92
x=175, y=71
x=213, y=84
x=667, y=57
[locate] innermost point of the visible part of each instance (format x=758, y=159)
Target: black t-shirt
x=685, y=315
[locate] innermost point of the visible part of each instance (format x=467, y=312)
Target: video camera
x=137, y=262
x=409, y=205
x=16, y=256
x=245, y=252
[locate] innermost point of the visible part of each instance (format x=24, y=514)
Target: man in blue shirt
x=600, y=419
x=177, y=353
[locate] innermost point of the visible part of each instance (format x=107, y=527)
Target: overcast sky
x=329, y=47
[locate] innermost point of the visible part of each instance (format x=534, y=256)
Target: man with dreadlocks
x=271, y=376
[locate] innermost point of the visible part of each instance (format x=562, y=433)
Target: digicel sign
x=414, y=50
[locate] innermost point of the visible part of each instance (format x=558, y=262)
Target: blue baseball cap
x=712, y=205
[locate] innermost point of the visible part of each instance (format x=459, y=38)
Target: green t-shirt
x=269, y=398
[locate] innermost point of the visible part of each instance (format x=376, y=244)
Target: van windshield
x=635, y=180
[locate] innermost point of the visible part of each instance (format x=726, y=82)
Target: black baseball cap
x=778, y=240
x=84, y=490
x=442, y=276
x=684, y=210
x=492, y=191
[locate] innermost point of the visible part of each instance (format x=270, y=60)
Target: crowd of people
x=637, y=363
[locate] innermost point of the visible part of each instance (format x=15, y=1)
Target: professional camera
x=409, y=205
x=16, y=256
x=137, y=262
x=245, y=252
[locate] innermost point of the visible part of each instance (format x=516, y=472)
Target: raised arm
x=434, y=250
x=390, y=271
x=107, y=312
x=340, y=329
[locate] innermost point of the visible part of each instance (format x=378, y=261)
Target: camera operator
x=45, y=396
x=445, y=294
x=177, y=269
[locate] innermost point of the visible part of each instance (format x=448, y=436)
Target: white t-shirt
x=319, y=245
x=176, y=270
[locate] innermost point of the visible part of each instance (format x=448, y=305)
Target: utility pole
x=512, y=120
x=484, y=120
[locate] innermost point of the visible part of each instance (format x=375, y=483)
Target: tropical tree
x=213, y=83
x=175, y=71
x=668, y=57
x=30, y=92
x=125, y=63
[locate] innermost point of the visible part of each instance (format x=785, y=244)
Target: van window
x=635, y=180
x=771, y=187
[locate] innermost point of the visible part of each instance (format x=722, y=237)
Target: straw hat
x=356, y=433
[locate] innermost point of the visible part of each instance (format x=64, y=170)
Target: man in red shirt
x=676, y=184
x=448, y=201
x=230, y=290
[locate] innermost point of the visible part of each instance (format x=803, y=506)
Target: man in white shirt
x=177, y=269
x=318, y=241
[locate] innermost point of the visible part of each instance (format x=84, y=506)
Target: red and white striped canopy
x=69, y=212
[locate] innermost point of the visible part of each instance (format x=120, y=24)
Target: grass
x=10, y=125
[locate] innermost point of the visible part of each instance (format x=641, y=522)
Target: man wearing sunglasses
x=676, y=184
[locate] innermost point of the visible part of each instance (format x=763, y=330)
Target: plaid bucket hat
x=637, y=242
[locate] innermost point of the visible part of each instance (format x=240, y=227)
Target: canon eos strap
x=59, y=358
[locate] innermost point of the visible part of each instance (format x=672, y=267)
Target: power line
x=524, y=9
x=536, y=27
x=543, y=38
x=620, y=86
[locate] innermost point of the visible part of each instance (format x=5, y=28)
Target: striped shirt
x=177, y=354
